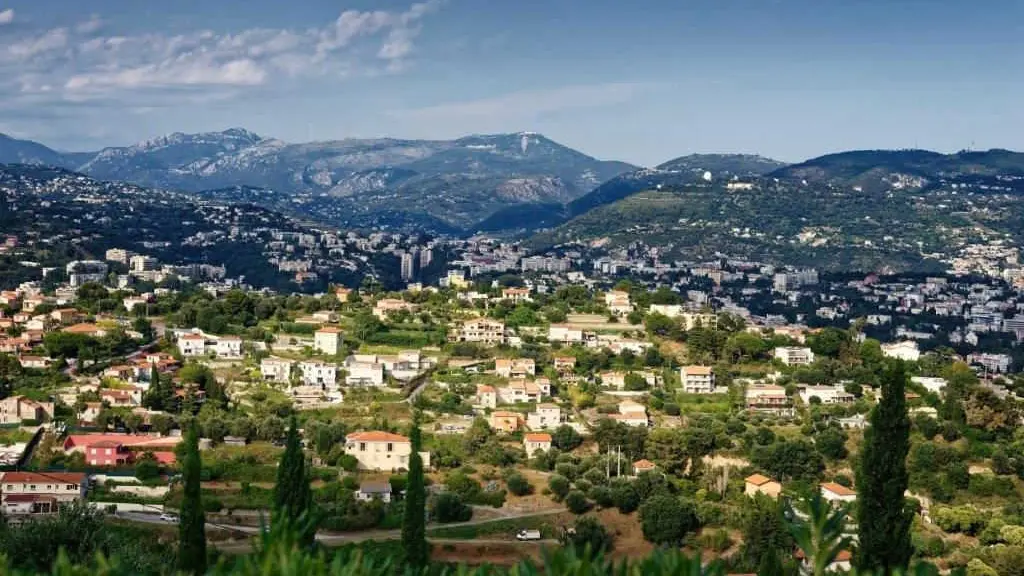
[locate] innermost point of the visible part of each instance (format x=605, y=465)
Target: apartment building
x=697, y=379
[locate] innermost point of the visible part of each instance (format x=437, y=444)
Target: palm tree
x=820, y=536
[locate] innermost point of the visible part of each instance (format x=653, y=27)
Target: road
x=336, y=539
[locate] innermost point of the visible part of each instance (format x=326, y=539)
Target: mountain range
x=449, y=185
x=521, y=183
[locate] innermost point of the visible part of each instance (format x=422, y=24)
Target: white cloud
x=72, y=62
x=6, y=16
x=93, y=24
x=49, y=42
x=524, y=106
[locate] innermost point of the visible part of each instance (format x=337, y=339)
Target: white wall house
x=381, y=451
x=275, y=369
x=794, y=355
x=327, y=340
x=697, y=379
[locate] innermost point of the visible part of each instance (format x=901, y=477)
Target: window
x=362, y=446
x=390, y=447
x=32, y=487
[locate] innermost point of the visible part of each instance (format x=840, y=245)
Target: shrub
x=448, y=507
x=577, y=502
x=666, y=520
x=518, y=484
x=602, y=496
x=588, y=534
x=559, y=486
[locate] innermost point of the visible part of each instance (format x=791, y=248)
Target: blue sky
x=641, y=81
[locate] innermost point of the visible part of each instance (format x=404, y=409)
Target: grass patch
x=503, y=527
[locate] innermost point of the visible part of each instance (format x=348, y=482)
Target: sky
x=642, y=81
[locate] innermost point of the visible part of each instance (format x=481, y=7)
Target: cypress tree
x=883, y=517
x=292, y=495
x=192, y=524
x=414, y=531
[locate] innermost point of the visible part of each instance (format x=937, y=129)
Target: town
x=550, y=390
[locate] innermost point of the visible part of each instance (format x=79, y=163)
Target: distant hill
x=13, y=151
x=438, y=185
x=61, y=215
x=792, y=216
x=677, y=172
x=879, y=169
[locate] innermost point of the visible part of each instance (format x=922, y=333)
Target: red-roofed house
x=536, y=441
x=376, y=450
x=40, y=492
x=760, y=484
x=641, y=466
x=837, y=493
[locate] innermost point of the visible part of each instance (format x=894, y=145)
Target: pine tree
x=292, y=495
x=192, y=524
x=883, y=517
x=414, y=532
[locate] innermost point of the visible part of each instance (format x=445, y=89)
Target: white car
x=525, y=535
x=169, y=518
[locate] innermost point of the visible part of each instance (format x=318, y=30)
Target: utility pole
x=618, y=461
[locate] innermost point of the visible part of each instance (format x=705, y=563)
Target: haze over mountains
x=508, y=183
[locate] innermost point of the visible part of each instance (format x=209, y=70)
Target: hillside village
x=545, y=394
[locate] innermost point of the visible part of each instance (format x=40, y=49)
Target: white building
x=794, y=355
x=275, y=369
x=327, y=340
x=906, y=350
x=228, y=347
x=545, y=416
x=697, y=379
x=363, y=373
x=826, y=394
x=192, y=345
x=837, y=493
x=319, y=374
x=564, y=334
x=535, y=442
x=382, y=451
x=931, y=384
x=481, y=331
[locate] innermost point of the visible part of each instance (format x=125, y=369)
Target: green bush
x=576, y=501
x=448, y=507
x=518, y=484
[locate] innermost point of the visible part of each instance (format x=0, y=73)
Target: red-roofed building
x=376, y=450
x=536, y=441
x=40, y=492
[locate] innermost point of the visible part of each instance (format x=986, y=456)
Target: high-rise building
x=408, y=266
x=426, y=257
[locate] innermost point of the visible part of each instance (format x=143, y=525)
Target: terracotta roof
x=697, y=370
x=329, y=330
x=376, y=436
x=757, y=479
x=838, y=489
x=37, y=477
x=538, y=437
x=84, y=328
x=505, y=414
x=485, y=389
x=643, y=464
x=192, y=337
x=128, y=440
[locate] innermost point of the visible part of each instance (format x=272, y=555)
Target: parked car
x=169, y=518
x=526, y=535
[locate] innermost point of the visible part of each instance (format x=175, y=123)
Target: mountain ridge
x=458, y=182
